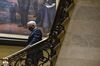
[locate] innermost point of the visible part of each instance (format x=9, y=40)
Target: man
x=49, y=14
x=40, y=12
x=35, y=36
x=23, y=11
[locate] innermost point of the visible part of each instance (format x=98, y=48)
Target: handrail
x=46, y=50
x=12, y=57
x=27, y=47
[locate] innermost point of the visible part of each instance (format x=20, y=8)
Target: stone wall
x=81, y=46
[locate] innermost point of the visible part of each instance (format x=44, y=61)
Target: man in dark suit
x=35, y=36
x=23, y=11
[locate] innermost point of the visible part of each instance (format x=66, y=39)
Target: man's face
x=31, y=27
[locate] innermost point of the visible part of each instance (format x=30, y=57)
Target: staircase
x=81, y=46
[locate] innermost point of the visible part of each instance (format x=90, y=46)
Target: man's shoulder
x=36, y=30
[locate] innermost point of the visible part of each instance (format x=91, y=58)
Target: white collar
x=50, y=6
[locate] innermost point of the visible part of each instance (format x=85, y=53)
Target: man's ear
x=33, y=26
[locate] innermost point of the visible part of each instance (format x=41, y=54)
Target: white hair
x=32, y=23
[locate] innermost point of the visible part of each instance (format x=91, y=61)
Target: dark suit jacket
x=35, y=36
